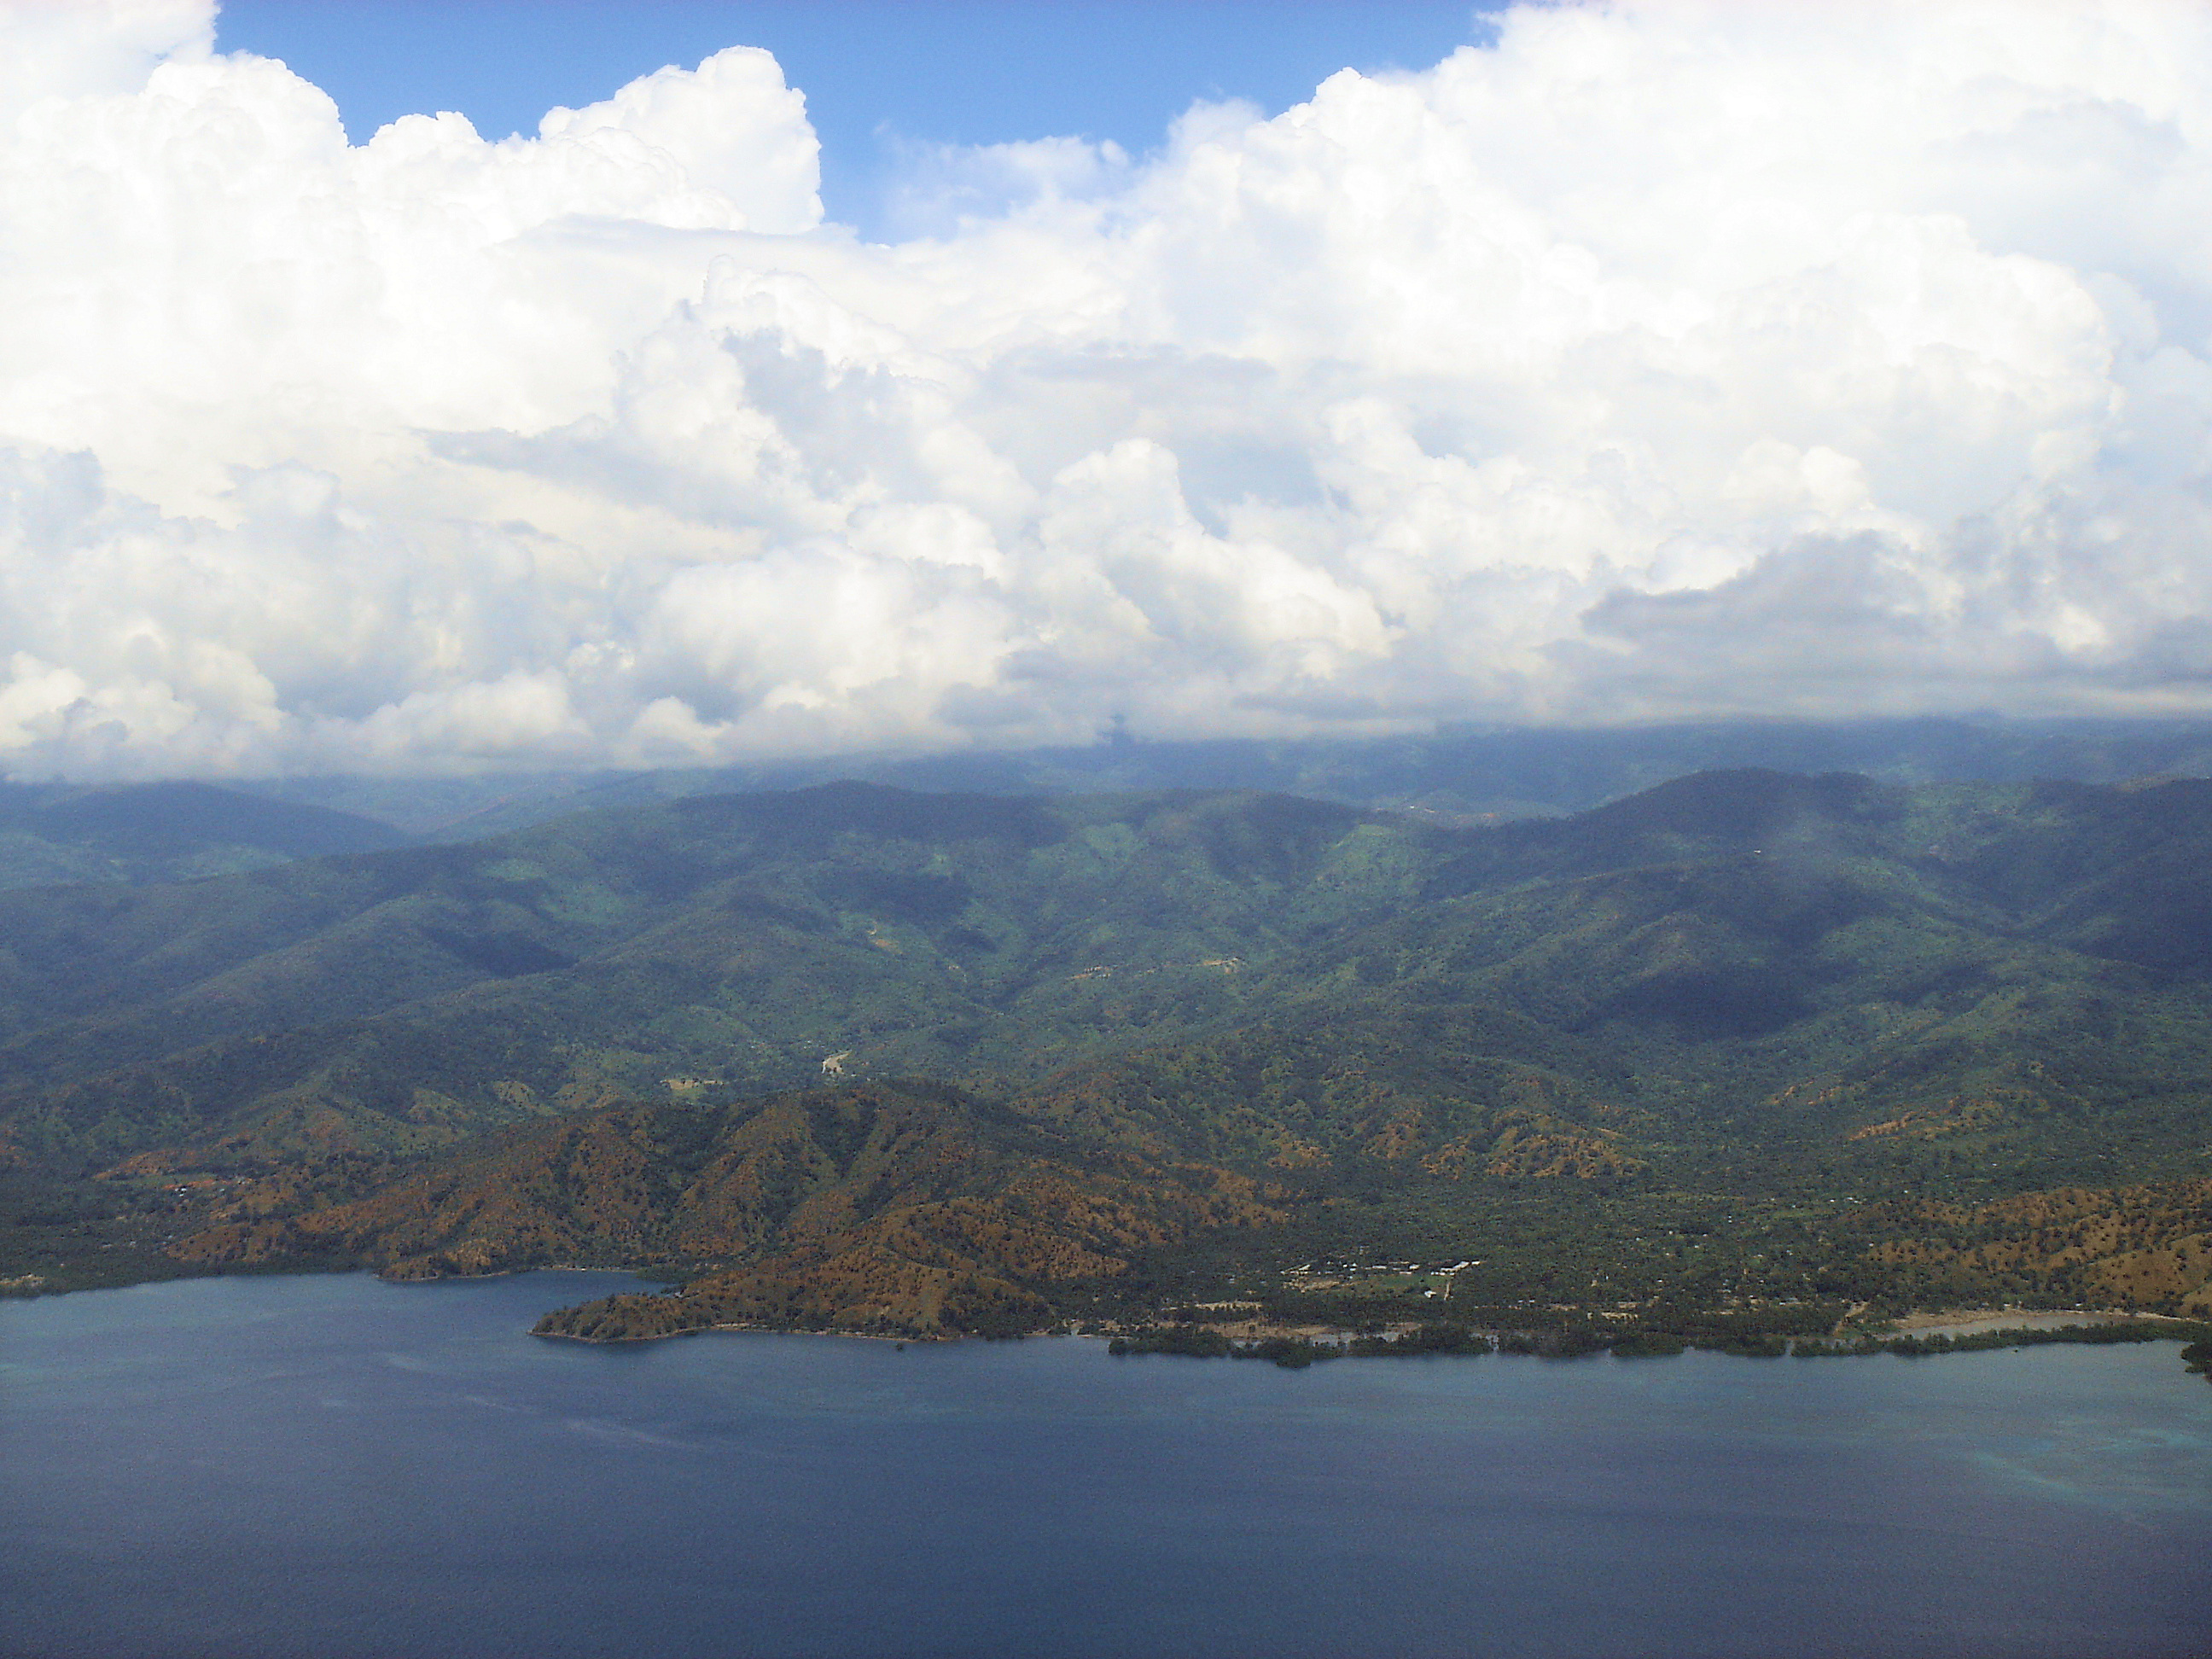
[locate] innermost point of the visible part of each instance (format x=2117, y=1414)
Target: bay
x=332, y=1468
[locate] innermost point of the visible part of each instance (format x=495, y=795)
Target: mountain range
x=859, y=1056
x=51, y=833
x=1456, y=774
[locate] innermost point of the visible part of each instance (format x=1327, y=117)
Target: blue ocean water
x=337, y=1468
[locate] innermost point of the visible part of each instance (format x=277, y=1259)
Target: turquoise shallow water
x=335, y=1468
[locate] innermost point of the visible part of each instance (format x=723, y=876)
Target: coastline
x=1961, y=1321
x=755, y=1330
x=1971, y=1328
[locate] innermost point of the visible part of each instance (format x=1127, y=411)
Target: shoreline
x=1921, y=1324
x=758, y=1330
x=1954, y=1321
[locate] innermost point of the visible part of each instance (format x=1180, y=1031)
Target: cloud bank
x=1657, y=359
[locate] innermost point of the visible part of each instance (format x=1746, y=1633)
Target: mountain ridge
x=1815, y=990
x=136, y=834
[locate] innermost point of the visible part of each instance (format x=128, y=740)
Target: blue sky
x=876, y=72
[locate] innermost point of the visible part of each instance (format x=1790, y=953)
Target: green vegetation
x=1742, y=1062
x=1960, y=992
x=1291, y=1353
x=155, y=832
x=1576, y=1341
x=1461, y=774
x=77, y=1235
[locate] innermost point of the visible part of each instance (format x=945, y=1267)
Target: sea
x=333, y=1467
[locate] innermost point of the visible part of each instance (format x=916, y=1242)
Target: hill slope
x=1803, y=992
x=1731, y=949
x=159, y=832
x=877, y=1208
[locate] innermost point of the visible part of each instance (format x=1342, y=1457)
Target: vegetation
x=156, y=832
x=1747, y=1061
x=1575, y=1342
x=1461, y=774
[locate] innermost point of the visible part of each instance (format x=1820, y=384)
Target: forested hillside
x=1171, y=1021
x=1455, y=774
x=53, y=834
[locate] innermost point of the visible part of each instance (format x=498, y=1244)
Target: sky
x=883, y=79
x=839, y=379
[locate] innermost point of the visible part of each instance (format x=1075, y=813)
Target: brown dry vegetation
x=866, y=1208
x=2146, y=1246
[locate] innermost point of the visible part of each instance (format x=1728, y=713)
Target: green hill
x=1728, y=949
x=51, y=835
x=1742, y=993
x=391, y=1000
x=1457, y=773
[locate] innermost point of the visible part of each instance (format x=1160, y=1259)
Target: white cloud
x=1660, y=359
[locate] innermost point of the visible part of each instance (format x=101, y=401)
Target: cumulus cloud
x=1657, y=359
